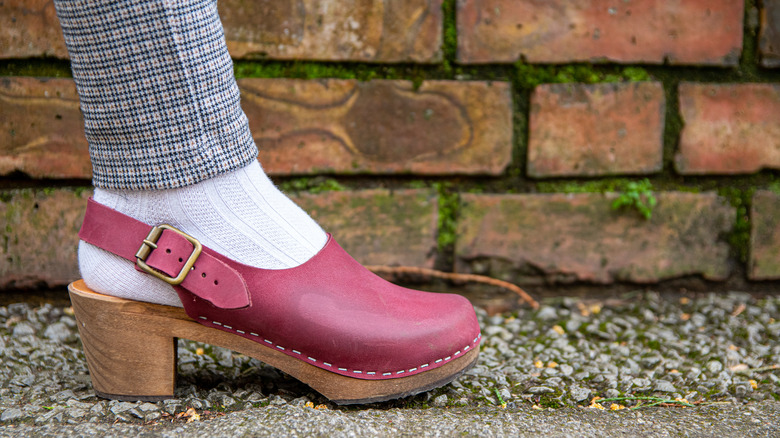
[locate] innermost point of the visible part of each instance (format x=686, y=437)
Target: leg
x=169, y=142
x=170, y=145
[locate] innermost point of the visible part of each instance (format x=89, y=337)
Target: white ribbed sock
x=240, y=214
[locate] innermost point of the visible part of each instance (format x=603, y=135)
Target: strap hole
x=168, y=251
x=215, y=282
x=181, y=259
x=203, y=275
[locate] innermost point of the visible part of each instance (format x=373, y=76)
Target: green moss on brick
x=449, y=204
x=450, y=37
x=311, y=185
x=739, y=237
x=531, y=75
x=298, y=70
x=416, y=73
x=748, y=62
x=583, y=186
x=38, y=67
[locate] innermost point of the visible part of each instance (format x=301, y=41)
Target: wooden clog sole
x=130, y=348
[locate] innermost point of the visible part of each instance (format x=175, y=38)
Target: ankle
x=241, y=215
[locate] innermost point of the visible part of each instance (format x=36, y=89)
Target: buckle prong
x=150, y=243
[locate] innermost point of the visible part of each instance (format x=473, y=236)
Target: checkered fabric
x=160, y=103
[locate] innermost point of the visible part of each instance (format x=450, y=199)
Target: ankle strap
x=166, y=253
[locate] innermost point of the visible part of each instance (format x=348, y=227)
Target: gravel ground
x=711, y=350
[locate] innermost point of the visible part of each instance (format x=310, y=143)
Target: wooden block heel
x=131, y=354
x=127, y=357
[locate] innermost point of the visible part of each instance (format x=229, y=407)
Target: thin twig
x=453, y=276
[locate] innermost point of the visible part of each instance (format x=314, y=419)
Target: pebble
x=121, y=407
x=277, y=401
x=148, y=407
x=97, y=409
x=23, y=329
x=440, y=401
x=664, y=386
x=76, y=412
x=73, y=403
x=547, y=313
x=135, y=413
x=57, y=332
x=539, y=390
x=199, y=404
x=11, y=414
x=173, y=408
x=579, y=394
x=714, y=366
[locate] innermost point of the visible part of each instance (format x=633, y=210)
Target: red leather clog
x=329, y=322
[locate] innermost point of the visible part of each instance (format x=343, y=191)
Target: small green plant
x=450, y=35
x=501, y=401
x=449, y=203
x=637, y=195
x=739, y=238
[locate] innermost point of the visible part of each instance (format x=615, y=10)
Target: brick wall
x=486, y=136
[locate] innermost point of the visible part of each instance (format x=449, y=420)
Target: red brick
x=764, y=262
x=702, y=32
x=357, y=30
x=29, y=28
x=380, y=127
x=601, y=129
x=379, y=227
x=729, y=128
x=41, y=129
x=40, y=236
x=769, y=36
x=566, y=238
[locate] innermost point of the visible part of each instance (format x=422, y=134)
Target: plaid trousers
x=160, y=103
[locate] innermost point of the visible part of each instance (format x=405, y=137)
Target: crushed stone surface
x=706, y=356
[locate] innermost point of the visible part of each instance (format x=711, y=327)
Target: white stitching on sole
x=466, y=348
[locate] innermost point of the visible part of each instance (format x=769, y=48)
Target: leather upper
x=330, y=311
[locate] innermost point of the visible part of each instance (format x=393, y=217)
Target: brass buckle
x=150, y=243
